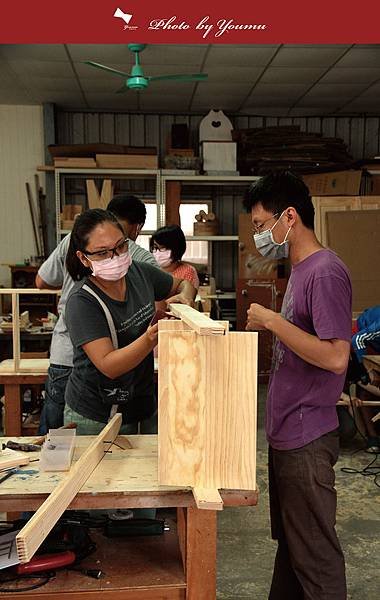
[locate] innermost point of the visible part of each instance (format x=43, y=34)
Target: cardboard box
x=339, y=183
x=219, y=156
x=127, y=161
x=74, y=162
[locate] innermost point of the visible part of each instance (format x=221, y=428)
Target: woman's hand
x=152, y=334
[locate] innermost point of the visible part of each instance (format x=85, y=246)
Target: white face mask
x=112, y=269
x=268, y=247
x=163, y=257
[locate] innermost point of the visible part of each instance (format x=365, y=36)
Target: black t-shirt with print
x=88, y=391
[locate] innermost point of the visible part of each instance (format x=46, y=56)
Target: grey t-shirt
x=54, y=272
x=89, y=392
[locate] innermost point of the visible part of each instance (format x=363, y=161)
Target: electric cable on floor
x=369, y=470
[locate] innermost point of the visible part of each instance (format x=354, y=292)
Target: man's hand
x=180, y=299
x=258, y=317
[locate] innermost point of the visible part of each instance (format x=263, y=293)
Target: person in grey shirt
x=53, y=274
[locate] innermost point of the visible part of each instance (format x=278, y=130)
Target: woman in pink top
x=168, y=245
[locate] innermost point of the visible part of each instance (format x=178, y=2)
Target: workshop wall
x=21, y=150
x=361, y=134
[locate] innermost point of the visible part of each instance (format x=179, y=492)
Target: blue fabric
x=368, y=332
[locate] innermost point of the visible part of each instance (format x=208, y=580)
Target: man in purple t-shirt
x=310, y=358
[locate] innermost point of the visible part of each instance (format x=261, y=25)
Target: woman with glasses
x=168, y=245
x=108, y=315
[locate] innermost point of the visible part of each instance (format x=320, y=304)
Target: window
x=196, y=252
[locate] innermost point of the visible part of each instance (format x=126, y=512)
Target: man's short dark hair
x=276, y=191
x=128, y=208
x=172, y=238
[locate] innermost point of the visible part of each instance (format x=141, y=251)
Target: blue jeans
x=55, y=386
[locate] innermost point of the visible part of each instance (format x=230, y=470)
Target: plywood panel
x=207, y=410
x=355, y=237
x=325, y=204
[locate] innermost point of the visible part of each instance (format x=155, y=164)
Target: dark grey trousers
x=309, y=563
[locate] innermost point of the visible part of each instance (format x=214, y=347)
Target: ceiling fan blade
x=109, y=69
x=190, y=77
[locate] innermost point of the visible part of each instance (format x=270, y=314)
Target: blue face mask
x=268, y=247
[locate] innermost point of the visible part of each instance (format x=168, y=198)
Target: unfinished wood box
x=207, y=389
x=74, y=162
x=127, y=161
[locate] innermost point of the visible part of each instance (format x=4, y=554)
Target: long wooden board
x=26, y=365
x=207, y=409
x=198, y=321
x=29, y=539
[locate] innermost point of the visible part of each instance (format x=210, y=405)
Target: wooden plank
x=93, y=197
x=209, y=499
x=107, y=193
x=172, y=204
x=11, y=458
x=29, y=539
x=207, y=410
x=345, y=400
x=26, y=365
x=33, y=217
x=198, y=321
x=21, y=291
x=16, y=331
x=201, y=554
x=181, y=531
x=12, y=409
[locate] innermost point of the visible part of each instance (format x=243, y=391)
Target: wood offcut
x=29, y=539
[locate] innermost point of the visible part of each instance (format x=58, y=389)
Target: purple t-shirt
x=302, y=398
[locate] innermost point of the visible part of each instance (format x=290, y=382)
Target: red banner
x=196, y=22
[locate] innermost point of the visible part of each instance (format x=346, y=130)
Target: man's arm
x=51, y=273
x=42, y=285
x=182, y=292
x=331, y=355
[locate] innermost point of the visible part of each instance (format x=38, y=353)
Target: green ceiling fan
x=137, y=80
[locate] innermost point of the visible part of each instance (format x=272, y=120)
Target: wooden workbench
x=12, y=383
x=179, y=565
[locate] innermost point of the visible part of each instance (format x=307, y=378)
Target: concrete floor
x=246, y=550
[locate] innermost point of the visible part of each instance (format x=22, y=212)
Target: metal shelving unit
x=62, y=174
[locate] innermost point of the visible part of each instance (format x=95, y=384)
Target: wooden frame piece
x=16, y=365
x=198, y=321
x=210, y=499
x=29, y=539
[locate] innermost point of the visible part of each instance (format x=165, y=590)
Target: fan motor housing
x=137, y=83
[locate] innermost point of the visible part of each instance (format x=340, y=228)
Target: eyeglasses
x=159, y=249
x=120, y=248
x=258, y=228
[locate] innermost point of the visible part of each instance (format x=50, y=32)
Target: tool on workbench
x=22, y=446
x=7, y=474
x=36, y=444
